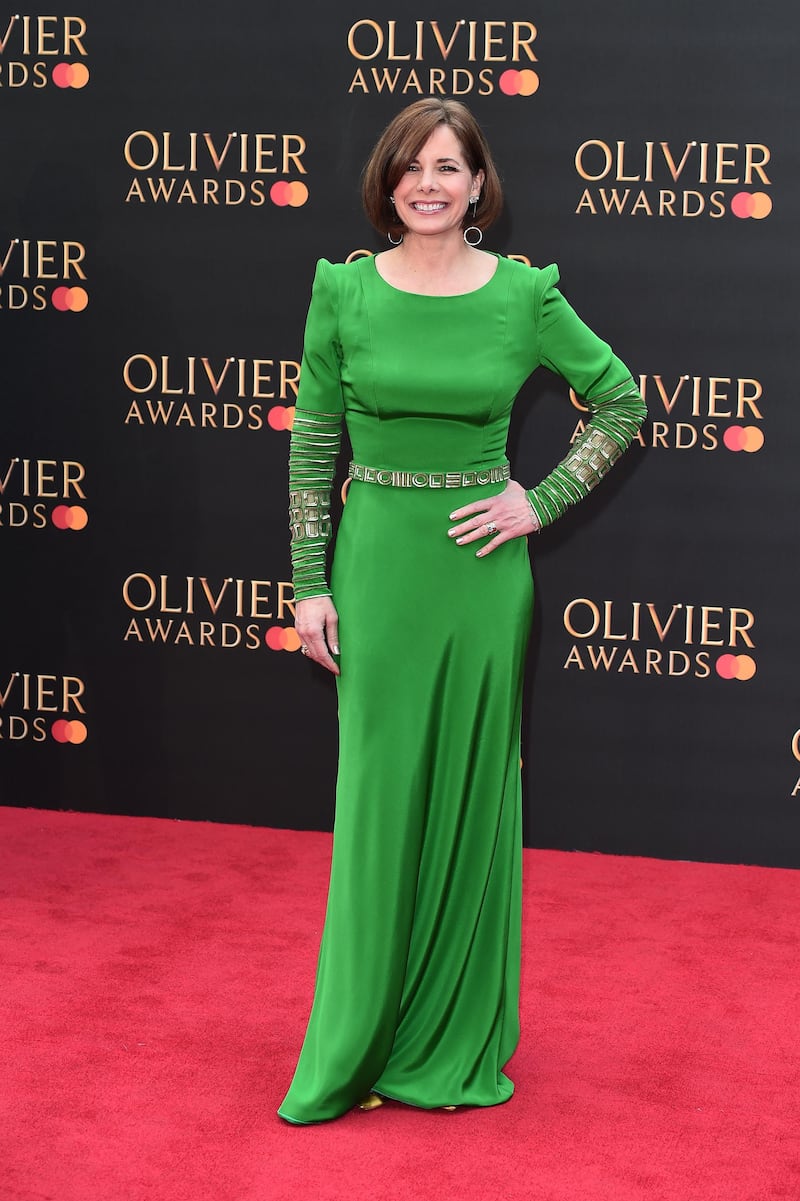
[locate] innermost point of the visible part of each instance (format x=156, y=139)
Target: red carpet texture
x=156, y=978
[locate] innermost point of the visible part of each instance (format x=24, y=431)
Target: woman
x=422, y=349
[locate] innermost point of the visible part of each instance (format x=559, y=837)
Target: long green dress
x=417, y=984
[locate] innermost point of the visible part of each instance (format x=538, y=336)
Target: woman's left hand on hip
x=499, y=518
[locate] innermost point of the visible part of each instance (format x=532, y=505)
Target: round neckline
x=449, y=296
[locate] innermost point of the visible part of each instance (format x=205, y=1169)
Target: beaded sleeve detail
x=616, y=416
x=313, y=450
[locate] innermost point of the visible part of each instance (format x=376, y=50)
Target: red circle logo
x=292, y=194
x=281, y=417
x=748, y=438
x=282, y=638
x=70, y=300
x=69, y=731
x=70, y=75
x=518, y=83
x=757, y=205
x=69, y=517
x=736, y=667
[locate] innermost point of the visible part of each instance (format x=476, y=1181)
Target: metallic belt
x=429, y=479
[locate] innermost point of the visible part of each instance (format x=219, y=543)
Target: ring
x=303, y=649
x=491, y=528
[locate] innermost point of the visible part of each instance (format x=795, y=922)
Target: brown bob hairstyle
x=403, y=139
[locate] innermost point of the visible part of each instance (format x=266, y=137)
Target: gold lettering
x=743, y=399
x=723, y=162
x=750, y=164
x=351, y=36
x=662, y=631
x=128, y=150
x=608, y=159
x=748, y=619
x=593, y=609
x=391, y=52
x=714, y=395
x=573, y=659
x=675, y=171
x=259, y=590
x=706, y=625
x=490, y=39
x=518, y=42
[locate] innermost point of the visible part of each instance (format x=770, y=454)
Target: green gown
x=417, y=985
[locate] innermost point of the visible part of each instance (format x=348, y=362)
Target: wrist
x=539, y=514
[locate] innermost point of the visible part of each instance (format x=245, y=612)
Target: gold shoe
x=450, y=1108
x=371, y=1101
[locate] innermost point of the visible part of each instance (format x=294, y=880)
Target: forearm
x=313, y=450
x=615, y=418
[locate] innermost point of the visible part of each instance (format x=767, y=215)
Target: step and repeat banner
x=170, y=176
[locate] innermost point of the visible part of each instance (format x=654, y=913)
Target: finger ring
x=491, y=528
x=304, y=649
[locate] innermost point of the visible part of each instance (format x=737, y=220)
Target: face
x=433, y=193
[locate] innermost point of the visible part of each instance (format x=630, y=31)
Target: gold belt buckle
x=428, y=479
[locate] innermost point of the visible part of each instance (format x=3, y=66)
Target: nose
x=427, y=179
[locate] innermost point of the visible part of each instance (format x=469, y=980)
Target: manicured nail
x=452, y=516
x=479, y=554
x=335, y=648
x=450, y=533
x=459, y=541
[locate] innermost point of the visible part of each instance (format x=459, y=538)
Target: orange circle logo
x=69, y=517
x=69, y=731
x=751, y=204
x=281, y=417
x=294, y=194
x=736, y=667
x=70, y=75
x=282, y=638
x=748, y=438
x=518, y=83
x=70, y=300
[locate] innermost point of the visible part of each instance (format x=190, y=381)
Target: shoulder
x=535, y=279
x=531, y=286
x=338, y=279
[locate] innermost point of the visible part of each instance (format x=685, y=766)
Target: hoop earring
x=399, y=240
x=473, y=229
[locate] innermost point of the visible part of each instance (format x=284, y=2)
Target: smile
x=431, y=207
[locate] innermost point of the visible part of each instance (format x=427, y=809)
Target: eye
x=412, y=167
x=449, y=167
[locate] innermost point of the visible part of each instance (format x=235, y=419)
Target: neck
x=434, y=255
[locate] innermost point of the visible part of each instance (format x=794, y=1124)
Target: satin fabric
x=417, y=986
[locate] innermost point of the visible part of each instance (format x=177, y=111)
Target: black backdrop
x=171, y=174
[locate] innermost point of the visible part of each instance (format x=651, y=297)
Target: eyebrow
x=445, y=159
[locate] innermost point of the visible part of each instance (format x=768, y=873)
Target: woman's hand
x=506, y=516
x=317, y=623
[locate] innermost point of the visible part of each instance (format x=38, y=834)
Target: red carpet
x=155, y=982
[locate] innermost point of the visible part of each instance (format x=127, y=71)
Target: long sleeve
x=590, y=367
x=315, y=440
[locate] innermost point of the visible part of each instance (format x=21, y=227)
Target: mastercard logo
x=281, y=417
x=748, y=438
x=751, y=204
x=282, y=638
x=69, y=517
x=70, y=75
x=518, y=83
x=69, y=731
x=293, y=194
x=70, y=300
x=736, y=667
